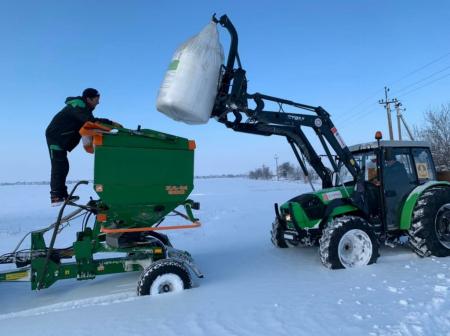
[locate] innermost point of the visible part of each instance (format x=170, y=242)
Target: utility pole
x=276, y=165
x=387, y=104
x=397, y=105
x=401, y=119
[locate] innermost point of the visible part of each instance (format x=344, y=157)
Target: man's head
x=92, y=97
x=389, y=157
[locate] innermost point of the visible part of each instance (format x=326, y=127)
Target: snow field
x=250, y=287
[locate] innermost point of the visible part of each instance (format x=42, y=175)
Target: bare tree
x=286, y=170
x=262, y=173
x=436, y=130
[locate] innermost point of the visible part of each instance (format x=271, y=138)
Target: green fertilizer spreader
x=140, y=176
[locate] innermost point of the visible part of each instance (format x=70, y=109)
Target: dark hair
x=389, y=154
x=90, y=93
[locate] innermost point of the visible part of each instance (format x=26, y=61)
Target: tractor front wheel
x=277, y=234
x=430, y=228
x=164, y=276
x=348, y=242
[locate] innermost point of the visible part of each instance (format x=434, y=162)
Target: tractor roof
x=388, y=143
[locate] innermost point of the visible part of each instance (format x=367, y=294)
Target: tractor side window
x=424, y=166
x=370, y=167
x=366, y=161
x=398, y=167
x=344, y=175
x=405, y=160
x=398, y=180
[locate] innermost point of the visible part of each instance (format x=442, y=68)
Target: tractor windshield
x=367, y=162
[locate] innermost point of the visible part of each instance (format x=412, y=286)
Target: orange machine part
x=101, y=218
x=192, y=145
x=92, y=135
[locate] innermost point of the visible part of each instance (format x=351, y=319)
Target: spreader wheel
x=164, y=276
x=348, y=242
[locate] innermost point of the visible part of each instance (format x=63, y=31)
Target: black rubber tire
x=276, y=234
x=332, y=235
x=423, y=237
x=162, y=267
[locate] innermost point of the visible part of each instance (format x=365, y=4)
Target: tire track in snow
x=431, y=320
x=73, y=304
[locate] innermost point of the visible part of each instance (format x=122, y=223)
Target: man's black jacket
x=64, y=128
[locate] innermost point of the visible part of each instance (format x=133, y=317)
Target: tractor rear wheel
x=164, y=276
x=430, y=229
x=348, y=242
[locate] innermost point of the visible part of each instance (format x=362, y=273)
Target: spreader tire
x=164, y=276
x=430, y=228
x=276, y=235
x=348, y=242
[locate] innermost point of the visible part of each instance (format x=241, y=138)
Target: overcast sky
x=336, y=54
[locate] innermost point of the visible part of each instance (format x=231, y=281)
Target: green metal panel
x=300, y=217
x=83, y=249
x=326, y=196
x=37, y=241
x=410, y=203
x=304, y=222
x=20, y=274
x=81, y=270
x=37, y=269
x=341, y=210
x=329, y=194
x=143, y=176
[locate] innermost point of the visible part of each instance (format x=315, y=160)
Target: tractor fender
x=338, y=207
x=411, y=200
x=335, y=207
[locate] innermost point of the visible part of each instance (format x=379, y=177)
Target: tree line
x=286, y=171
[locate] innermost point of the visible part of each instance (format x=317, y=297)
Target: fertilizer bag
x=189, y=88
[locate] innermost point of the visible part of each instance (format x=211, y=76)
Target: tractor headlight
x=287, y=217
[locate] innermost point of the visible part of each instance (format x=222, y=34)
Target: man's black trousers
x=60, y=169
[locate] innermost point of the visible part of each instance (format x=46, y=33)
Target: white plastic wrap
x=189, y=88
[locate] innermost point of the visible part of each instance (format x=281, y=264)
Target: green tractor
x=380, y=192
x=405, y=202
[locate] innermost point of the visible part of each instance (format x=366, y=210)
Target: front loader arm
x=233, y=99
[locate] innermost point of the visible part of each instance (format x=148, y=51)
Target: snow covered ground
x=250, y=287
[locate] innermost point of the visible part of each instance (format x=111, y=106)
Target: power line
x=420, y=68
x=420, y=87
x=357, y=113
x=361, y=112
x=395, y=81
x=423, y=79
x=364, y=100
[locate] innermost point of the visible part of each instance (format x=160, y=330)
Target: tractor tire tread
x=422, y=236
x=276, y=235
x=327, y=242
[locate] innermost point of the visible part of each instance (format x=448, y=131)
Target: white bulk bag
x=189, y=88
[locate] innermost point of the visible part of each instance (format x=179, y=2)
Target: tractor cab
x=392, y=169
